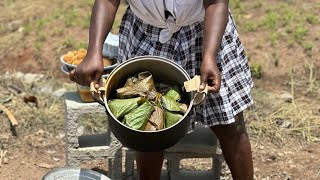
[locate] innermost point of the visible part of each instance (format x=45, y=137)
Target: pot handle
x=97, y=94
x=193, y=85
x=198, y=98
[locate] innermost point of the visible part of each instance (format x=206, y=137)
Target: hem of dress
x=229, y=121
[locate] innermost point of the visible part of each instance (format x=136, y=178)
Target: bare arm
x=215, y=21
x=102, y=17
x=103, y=14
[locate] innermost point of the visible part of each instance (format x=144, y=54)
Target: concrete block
x=90, y=147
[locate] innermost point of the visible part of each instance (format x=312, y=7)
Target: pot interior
x=162, y=70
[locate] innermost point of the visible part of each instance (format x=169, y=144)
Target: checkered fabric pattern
x=185, y=47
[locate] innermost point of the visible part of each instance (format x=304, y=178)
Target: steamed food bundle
x=141, y=106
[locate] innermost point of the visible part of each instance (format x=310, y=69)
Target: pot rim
x=139, y=58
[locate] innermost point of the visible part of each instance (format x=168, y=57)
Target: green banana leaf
x=169, y=102
x=172, y=118
x=174, y=95
x=138, y=118
x=121, y=107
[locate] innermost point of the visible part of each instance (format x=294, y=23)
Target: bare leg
x=149, y=165
x=236, y=148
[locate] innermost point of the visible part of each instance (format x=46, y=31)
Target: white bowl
x=72, y=66
x=64, y=68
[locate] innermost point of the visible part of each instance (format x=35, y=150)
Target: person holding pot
x=201, y=37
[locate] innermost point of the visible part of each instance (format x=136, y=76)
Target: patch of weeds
x=70, y=18
x=300, y=32
x=40, y=23
x=274, y=38
x=80, y=45
x=250, y=26
x=307, y=47
x=27, y=28
x=38, y=45
x=8, y=2
x=56, y=14
x=41, y=36
x=290, y=43
x=238, y=5
x=58, y=31
x=68, y=42
x=256, y=70
x=257, y=4
x=271, y=20
x=287, y=16
x=312, y=19
x=85, y=3
x=312, y=78
x=85, y=21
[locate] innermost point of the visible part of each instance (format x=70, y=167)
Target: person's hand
x=89, y=70
x=210, y=75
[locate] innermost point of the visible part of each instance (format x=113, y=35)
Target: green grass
x=256, y=70
x=40, y=23
x=300, y=32
x=250, y=26
x=81, y=45
x=68, y=42
x=84, y=22
x=312, y=18
x=70, y=17
x=307, y=46
x=270, y=21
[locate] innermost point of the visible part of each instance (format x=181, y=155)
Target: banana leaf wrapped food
x=141, y=85
x=156, y=121
x=174, y=109
x=140, y=106
x=121, y=107
x=138, y=118
x=170, y=102
x=172, y=118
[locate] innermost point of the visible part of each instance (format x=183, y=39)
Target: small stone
x=5, y=160
x=47, y=166
x=59, y=93
x=280, y=154
x=261, y=147
x=55, y=159
x=40, y=132
x=60, y=136
x=287, y=97
x=31, y=78
x=80, y=130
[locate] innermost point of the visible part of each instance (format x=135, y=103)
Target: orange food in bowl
x=75, y=57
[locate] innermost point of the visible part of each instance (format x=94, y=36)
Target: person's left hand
x=210, y=75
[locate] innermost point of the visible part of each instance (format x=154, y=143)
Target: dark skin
x=233, y=137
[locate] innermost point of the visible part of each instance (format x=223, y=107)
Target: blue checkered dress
x=185, y=47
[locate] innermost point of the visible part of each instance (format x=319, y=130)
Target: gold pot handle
x=193, y=85
x=97, y=94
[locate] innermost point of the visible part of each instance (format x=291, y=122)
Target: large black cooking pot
x=162, y=70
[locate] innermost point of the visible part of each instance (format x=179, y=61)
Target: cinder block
x=90, y=147
x=201, y=143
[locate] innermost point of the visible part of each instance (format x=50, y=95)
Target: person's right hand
x=89, y=70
